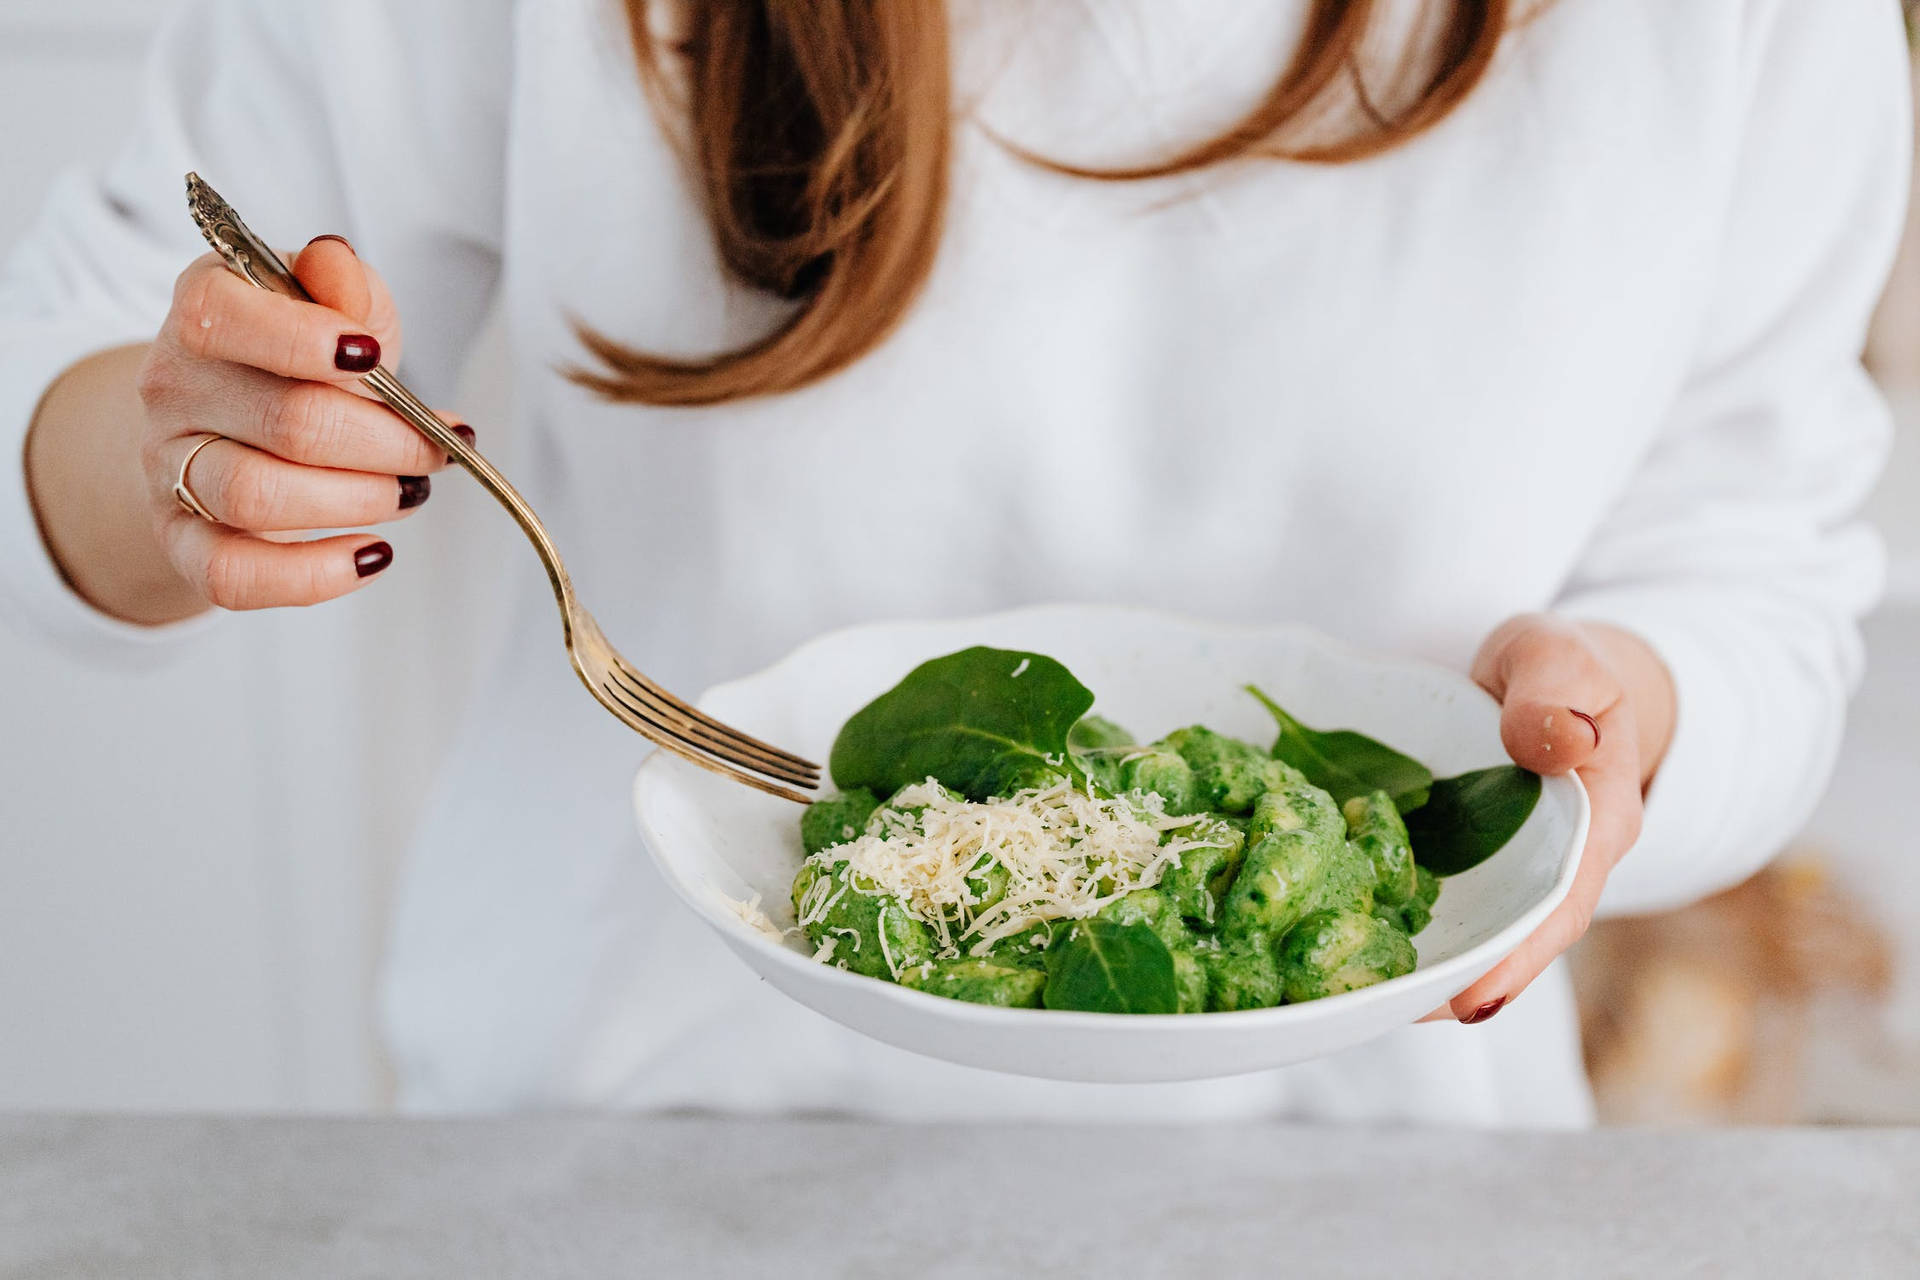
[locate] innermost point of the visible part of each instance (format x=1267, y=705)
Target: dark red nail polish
x=337, y=240
x=414, y=491
x=1591, y=724
x=356, y=353
x=1485, y=1011
x=372, y=558
x=465, y=433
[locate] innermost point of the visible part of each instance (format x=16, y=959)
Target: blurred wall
x=194, y=863
x=1862, y=827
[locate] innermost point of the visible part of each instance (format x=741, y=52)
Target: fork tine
x=666, y=734
x=666, y=740
x=701, y=739
x=711, y=734
x=670, y=704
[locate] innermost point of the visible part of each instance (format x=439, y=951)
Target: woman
x=1524, y=342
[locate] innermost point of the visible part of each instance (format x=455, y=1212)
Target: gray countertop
x=553, y=1196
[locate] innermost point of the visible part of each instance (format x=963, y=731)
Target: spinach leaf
x=1470, y=818
x=980, y=720
x=1103, y=967
x=1096, y=733
x=1346, y=763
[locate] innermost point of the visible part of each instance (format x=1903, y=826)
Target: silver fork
x=614, y=682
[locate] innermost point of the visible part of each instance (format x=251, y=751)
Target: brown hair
x=818, y=131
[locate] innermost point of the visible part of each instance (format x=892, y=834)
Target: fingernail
x=338, y=240
x=356, y=353
x=1486, y=1010
x=372, y=558
x=1591, y=724
x=414, y=491
x=465, y=433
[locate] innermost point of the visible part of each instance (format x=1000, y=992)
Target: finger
x=218, y=316
x=1612, y=779
x=246, y=488
x=1555, y=694
x=239, y=571
x=313, y=423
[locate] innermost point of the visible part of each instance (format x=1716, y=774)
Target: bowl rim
x=1479, y=959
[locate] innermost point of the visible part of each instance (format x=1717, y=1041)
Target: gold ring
x=182, y=494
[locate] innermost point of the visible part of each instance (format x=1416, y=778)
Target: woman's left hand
x=1585, y=698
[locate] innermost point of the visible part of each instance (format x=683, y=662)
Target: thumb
x=1556, y=696
x=334, y=275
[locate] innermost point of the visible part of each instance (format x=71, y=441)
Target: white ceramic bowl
x=717, y=842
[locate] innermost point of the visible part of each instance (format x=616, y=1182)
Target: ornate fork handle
x=250, y=258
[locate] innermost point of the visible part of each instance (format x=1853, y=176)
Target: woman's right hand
x=300, y=446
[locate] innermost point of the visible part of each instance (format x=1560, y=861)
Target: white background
x=194, y=864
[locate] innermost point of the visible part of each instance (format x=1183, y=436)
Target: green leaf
x=1103, y=967
x=1346, y=763
x=980, y=720
x=1470, y=818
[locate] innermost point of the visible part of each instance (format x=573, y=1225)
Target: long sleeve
x=384, y=122
x=1734, y=552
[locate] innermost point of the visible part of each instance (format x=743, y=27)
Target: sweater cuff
x=33, y=594
x=1700, y=776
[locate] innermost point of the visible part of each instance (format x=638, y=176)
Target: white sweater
x=1590, y=345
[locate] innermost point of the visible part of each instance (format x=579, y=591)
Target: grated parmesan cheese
x=750, y=912
x=1066, y=853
